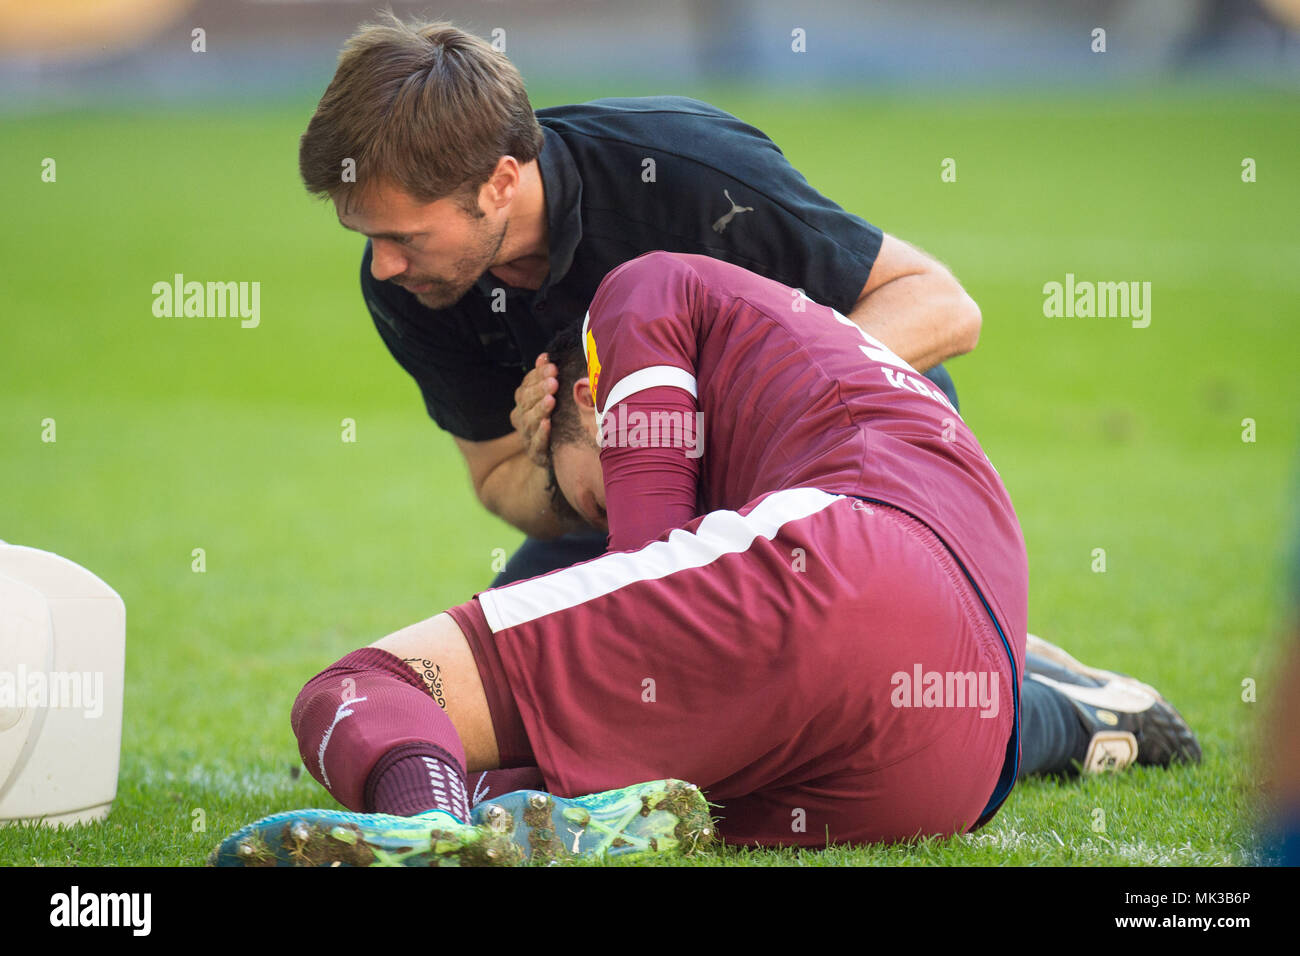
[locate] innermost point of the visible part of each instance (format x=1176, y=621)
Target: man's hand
x=534, y=401
x=510, y=473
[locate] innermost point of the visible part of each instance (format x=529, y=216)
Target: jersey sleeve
x=640, y=339
x=463, y=393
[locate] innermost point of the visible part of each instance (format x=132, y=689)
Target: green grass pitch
x=175, y=434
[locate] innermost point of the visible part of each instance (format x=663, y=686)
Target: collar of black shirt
x=563, y=191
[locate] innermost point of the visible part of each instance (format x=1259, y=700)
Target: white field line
x=224, y=781
x=1011, y=840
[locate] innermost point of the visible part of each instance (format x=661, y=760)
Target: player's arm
x=641, y=345
x=651, y=490
x=914, y=305
x=511, y=485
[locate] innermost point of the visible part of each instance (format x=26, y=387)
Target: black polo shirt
x=605, y=205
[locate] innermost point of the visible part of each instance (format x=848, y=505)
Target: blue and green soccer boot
x=524, y=826
x=656, y=817
x=340, y=838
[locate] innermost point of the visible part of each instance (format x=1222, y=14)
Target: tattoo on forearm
x=432, y=675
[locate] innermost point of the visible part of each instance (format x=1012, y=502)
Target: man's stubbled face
x=436, y=251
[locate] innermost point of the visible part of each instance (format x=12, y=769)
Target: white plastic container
x=62, y=666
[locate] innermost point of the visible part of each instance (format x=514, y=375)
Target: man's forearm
x=925, y=319
x=517, y=492
x=913, y=304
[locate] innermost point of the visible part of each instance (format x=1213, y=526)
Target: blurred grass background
x=176, y=434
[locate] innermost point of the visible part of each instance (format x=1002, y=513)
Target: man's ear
x=502, y=185
x=582, y=395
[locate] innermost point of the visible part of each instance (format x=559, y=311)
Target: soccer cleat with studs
x=340, y=838
x=525, y=826
x=655, y=817
x=1129, y=721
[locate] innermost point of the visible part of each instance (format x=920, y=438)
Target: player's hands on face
x=534, y=401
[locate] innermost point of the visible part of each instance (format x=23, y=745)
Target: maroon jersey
x=715, y=385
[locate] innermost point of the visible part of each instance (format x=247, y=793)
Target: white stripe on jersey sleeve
x=720, y=533
x=652, y=377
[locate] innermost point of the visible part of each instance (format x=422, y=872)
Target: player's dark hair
x=565, y=351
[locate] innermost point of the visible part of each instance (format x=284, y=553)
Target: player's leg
x=435, y=650
x=389, y=731
x=376, y=730
x=612, y=672
x=1050, y=732
x=381, y=737
x=1081, y=717
x=374, y=733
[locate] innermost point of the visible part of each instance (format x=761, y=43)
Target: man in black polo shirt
x=491, y=226
x=581, y=190
x=617, y=178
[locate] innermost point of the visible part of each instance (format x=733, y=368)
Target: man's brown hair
x=422, y=105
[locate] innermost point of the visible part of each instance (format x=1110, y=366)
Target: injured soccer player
x=809, y=628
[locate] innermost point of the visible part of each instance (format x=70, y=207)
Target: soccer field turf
x=175, y=434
